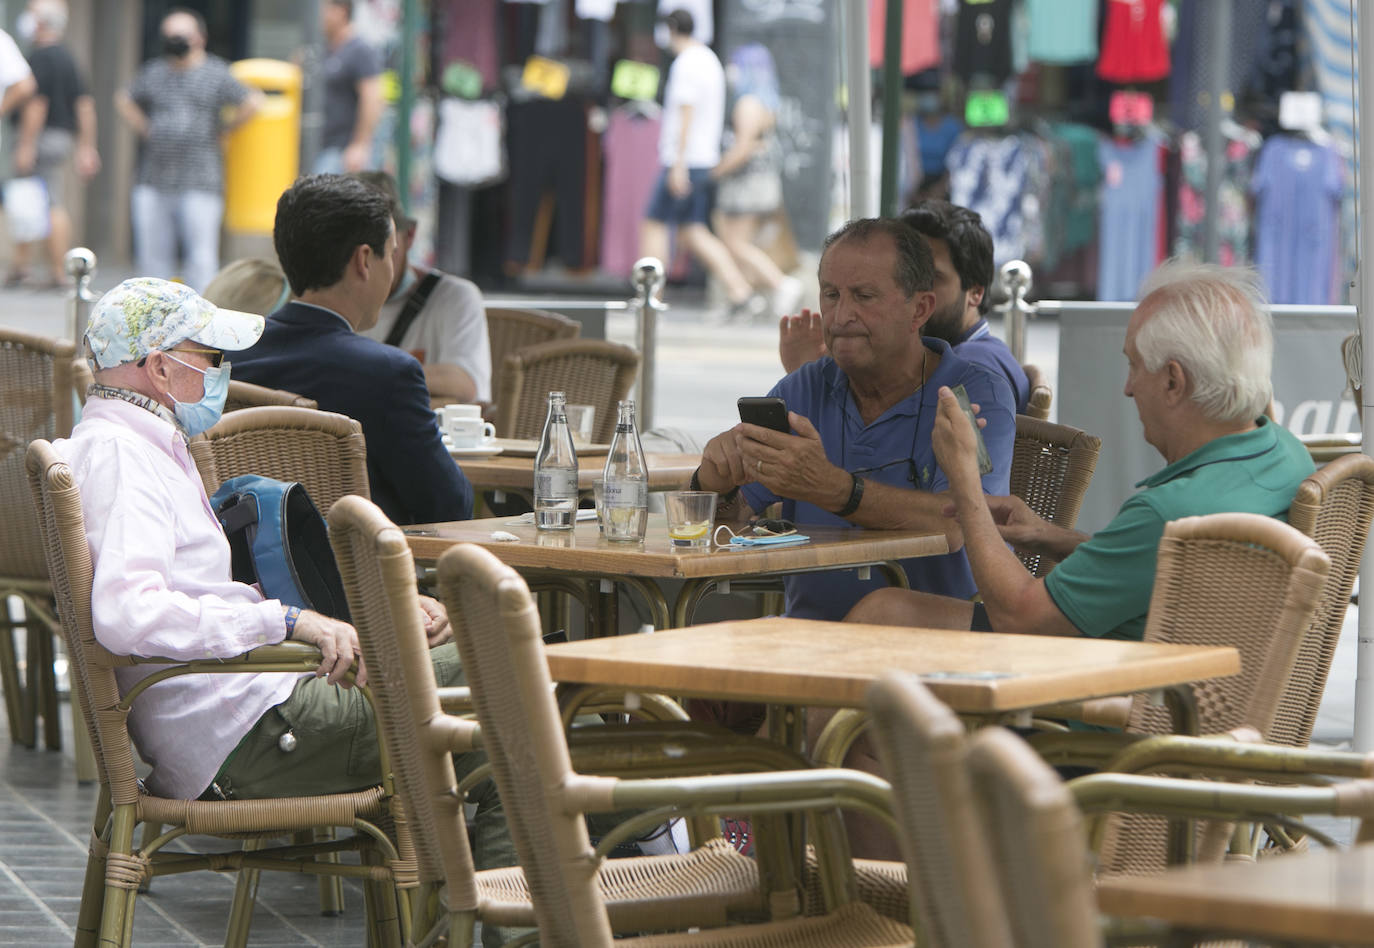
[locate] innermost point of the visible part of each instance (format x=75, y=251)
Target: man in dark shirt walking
x=55, y=124
x=352, y=94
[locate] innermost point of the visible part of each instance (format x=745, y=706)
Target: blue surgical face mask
x=200, y=416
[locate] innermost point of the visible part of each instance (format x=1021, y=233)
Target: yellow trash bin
x=262, y=156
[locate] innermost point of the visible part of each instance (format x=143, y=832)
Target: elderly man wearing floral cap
x=163, y=584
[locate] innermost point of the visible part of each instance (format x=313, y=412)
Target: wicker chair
x=1334, y=506
x=116, y=868
x=511, y=329
x=544, y=798
x=1038, y=405
x=35, y=402
x=379, y=576
x=324, y=451
x=1233, y=579
x=1026, y=865
x=1051, y=468
x=922, y=745
x=247, y=395
x=589, y=371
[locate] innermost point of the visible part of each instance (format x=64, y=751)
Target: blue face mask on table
x=200, y=416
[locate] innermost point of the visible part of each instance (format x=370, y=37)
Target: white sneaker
x=788, y=296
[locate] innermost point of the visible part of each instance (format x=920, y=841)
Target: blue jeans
x=160, y=218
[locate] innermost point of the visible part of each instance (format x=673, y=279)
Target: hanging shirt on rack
x=920, y=34
x=982, y=40
x=1129, y=222
x=1233, y=217
x=1297, y=187
x=1062, y=32
x=1133, y=46
x=997, y=177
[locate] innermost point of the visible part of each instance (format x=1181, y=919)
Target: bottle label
x=626, y=493
x=555, y=484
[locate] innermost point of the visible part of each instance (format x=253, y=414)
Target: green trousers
x=336, y=752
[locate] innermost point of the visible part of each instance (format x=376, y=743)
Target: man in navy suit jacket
x=335, y=237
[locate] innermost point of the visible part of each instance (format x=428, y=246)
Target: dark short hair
x=321, y=220
x=915, y=266
x=680, y=22
x=193, y=14
x=962, y=230
x=386, y=184
x=346, y=4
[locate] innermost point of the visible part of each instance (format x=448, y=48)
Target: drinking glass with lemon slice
x=691, y=515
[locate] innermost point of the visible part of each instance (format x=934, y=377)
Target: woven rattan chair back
x=323, y=450
x=1041, y=395
x=1335, y=507
x=511, y=329
x=1235, y=579
x=922, y=746
x=35, y=402
x=379, y=578
x=247, y=395
x=1051, y=468
x=498, y=633
x=62, y=528
x=589, y=371
x=1039, y=845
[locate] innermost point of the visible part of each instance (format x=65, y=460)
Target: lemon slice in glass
x=688, y=531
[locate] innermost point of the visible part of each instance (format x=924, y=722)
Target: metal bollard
x=1016, y=277
x=648, y=279
x=81, y=268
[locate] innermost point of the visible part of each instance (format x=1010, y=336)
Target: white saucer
x=487, y=449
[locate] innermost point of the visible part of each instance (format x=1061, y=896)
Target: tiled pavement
x=45, y=820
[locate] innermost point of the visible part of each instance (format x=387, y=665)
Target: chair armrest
x=456, y=699
x=1080, y=748
x=676, y=749
x=280, y=657
x=1240, y=755
x=786, y=791
x=276, y=653
x=1180, y=798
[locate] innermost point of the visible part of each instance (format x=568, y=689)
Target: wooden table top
x=504, y=472
x=796, y=661
x=1322, y=896
x=583, y=550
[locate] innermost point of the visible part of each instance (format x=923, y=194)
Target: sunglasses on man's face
x=214, y=355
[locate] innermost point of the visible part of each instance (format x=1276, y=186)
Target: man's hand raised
x=956, y=444
x=793, y=465
x=338, y=645
x=800, y=340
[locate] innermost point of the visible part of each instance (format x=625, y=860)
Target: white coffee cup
x=456, y=411
x=469, y=432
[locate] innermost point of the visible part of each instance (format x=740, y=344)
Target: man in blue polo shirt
x=1199, y=348
x=860, y=451
x=961, y=251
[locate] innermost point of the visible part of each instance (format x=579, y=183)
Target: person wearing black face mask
x=177, y=105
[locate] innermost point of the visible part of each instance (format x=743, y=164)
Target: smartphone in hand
x=764, y=411
x=984, y=460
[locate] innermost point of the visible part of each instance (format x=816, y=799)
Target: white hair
x=51, y=13
x=1213, y=321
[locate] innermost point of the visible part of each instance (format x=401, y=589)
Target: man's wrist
x=291, y=615
x=694, y=483
x=856, y=496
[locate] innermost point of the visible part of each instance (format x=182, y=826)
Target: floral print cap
x=144, y=314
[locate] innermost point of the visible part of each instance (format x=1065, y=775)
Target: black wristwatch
x=694, y=483
x=856, y=496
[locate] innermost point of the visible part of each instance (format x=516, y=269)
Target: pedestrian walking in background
x=688, y=150
x=352, y=94
x=749, y=176
x=177, y=105
x=56, y=124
